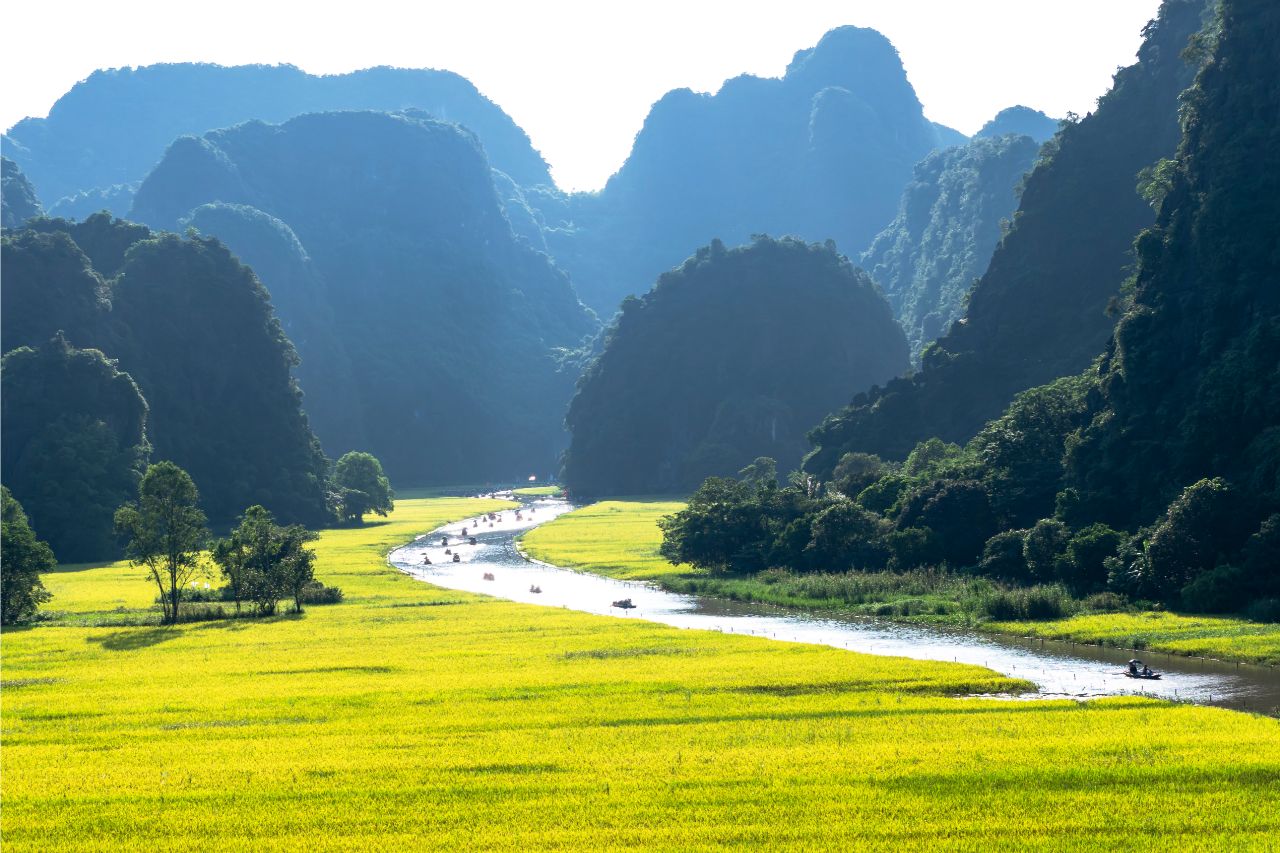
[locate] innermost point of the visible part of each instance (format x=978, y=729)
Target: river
x=1058, y=669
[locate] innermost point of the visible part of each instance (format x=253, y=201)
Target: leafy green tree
x=912, y=547
x=1085, y=567
x=22, y=560
x=1003, y=557
x=364, y=487
x=857, y=471
x=296, y=563
x=1197, y=531
x=720, y=521
x=246, y=555
x=959, y=514
x=844, y=535
x=1044, y=546
x=166, y=532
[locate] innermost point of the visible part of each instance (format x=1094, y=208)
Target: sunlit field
x=411, y=717
x=616, y=538
x=620, y=538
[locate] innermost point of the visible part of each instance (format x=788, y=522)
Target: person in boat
x=444, y=540
x=1146, y=670
x=464, y=531
x=1133, y=666
x=457, y=558
x=473, y=540
x=426, y=560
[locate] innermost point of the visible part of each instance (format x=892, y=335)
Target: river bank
x=620, y=539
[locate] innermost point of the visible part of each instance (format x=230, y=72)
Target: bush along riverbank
x=621, y=539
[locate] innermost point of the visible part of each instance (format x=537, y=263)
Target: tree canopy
x=22, y=560
x=364, y=488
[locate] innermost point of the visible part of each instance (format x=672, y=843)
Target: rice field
x=537, y=491
x=1200, y=636
x=620, y=538
x=410, y=717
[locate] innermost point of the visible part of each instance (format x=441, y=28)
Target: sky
x=579, y=77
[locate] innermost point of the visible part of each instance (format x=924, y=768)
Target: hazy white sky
x=580, y=76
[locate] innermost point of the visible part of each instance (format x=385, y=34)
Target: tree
x=295, y=564
x=166, y=531
x=1197, y=530
x=1003, y=558
x=22, y=560
x=844, y=535
x=857, y=471
x=246, y=552
x=365, y=488
x=1045, y=543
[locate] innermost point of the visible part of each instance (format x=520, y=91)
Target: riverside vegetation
x=623, y=539
x=414, y=715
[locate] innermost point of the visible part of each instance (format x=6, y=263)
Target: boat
x=1137, y=669
x=624, y=603
x=535, y=588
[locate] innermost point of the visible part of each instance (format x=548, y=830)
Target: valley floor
x=413, y=717
x=620, y=538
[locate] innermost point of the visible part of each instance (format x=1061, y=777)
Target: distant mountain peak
x=1021, y=120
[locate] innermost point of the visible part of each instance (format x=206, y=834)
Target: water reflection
x=1058, y=669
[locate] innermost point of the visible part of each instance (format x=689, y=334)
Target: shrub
x=1264, y=610
x=1104, y=602
x=1219, y=590
x=1030, y=603
x=317, y=593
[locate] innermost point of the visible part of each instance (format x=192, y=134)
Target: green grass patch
x=379, y=723
x=538, y=491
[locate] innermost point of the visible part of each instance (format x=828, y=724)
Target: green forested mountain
x=195, y=330
x=1021, y=120
x=948, y=223
x=113, y=127
x=822, y=153
x=18, y=201
x=1190, y=387
x=1156, y=472
x=726, y=359
x=74, y=443
x=1040, y=310
x=428, y=333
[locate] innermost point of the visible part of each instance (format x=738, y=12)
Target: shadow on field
x=127, y=641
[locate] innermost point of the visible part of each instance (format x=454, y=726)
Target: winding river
x=1059, y=669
